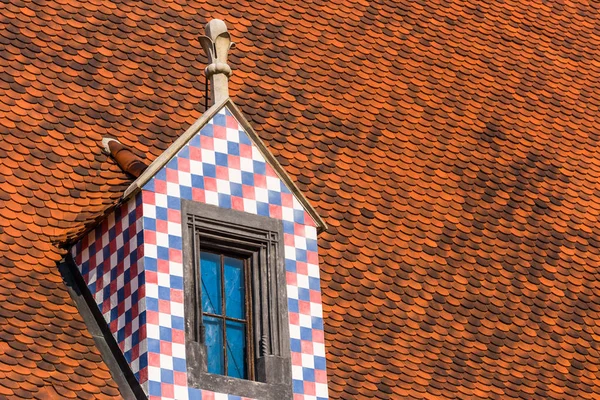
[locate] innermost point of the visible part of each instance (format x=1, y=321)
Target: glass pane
x=210, y=268
x=236, y=349
x=214, y=344
x=234, y=288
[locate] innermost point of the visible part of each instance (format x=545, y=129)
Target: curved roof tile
x=450, y=146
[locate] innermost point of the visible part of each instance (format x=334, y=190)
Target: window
x=237, y=332
x=225, y=312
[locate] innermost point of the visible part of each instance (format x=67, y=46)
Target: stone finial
x=216, y=44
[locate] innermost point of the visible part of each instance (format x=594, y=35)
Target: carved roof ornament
x=216, y=44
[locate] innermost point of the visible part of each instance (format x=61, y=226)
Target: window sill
x=272, y=371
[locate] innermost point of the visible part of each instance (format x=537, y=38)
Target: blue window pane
x=214, y=344
x=210, y=267
x=234, y=288
x=236, y=349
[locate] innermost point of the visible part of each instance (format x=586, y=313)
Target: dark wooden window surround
x=259, y=240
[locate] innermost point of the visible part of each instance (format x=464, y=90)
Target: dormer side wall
x=110, y=260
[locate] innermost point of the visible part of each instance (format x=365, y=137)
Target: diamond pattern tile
x=221, y=166
x=133, y=261
x=110, y=260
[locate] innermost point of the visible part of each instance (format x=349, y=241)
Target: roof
x=451, y=147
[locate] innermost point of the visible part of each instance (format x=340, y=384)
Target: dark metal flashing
x=111, y=354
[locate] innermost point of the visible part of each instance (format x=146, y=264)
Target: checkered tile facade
x=110, y=260
x=221, y=166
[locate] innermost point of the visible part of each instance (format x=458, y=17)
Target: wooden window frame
x=248, y=301
x=260, y=239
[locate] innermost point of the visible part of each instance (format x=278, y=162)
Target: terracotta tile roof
x=450, y=146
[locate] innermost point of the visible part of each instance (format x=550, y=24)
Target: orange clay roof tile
x=450, y=147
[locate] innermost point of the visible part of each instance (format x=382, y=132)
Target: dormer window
x=192, y=276
x=237, y=329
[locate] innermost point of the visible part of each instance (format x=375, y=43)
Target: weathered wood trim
x=261, y=239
